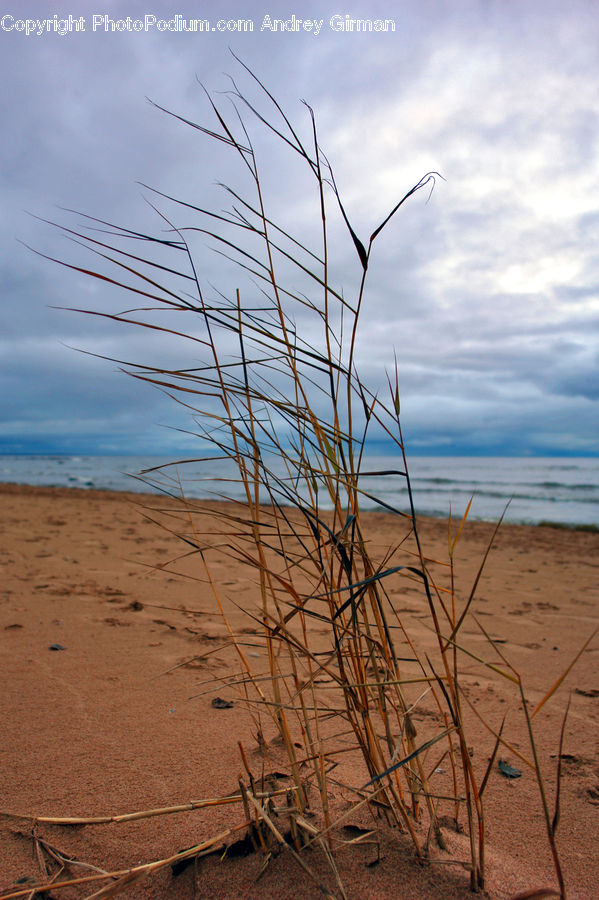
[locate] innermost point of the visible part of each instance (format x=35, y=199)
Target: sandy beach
x=106, y=664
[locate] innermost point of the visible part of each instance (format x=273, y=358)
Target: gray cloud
x=487, y=292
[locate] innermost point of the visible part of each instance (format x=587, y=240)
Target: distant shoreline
x=13, y=487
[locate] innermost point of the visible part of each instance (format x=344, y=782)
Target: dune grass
x=274, y=388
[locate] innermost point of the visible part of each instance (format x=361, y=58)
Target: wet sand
x=105, y=724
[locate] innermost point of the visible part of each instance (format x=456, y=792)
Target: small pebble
x=219, y=703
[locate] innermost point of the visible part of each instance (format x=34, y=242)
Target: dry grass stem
x=278, y=404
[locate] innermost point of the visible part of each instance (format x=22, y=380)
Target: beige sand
x=94, y=730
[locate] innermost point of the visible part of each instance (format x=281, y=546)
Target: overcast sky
x=488, y=293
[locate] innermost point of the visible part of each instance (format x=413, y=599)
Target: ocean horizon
x=561, y=490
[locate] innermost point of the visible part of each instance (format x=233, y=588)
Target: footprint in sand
x=592, y=794
x=164, y=622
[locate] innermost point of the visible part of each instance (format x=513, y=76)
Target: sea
x=560, y=490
